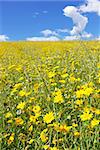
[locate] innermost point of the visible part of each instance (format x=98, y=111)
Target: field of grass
x=49, y=95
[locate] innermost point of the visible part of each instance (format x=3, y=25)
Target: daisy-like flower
x=86, y=116
x=48, y=117
x=94, y=122
x=21, y=105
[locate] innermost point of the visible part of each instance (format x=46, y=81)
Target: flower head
x=48, y=117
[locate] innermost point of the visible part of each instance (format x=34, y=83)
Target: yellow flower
x=94, y=123
x=51, y=74
x=74, y=125
x=62, y=81
x=18, y=85
x=48, y=117
x=64, y=75
x=21, y=105
x=9, y=121
x=30, y=128
x=88, y=91
x=97, y=111
x=19, y=121
x=79, y=93
x=43, y=136
x=11, y=138
x=32, y=118
x=76, y=133
x=56, y=126
x=8, y=115
x=46, y=147
x=22, y=93
x=31, y=100
x=86, y=109
x=72, y=79
x=31, y=141
x=19, y=68
x=64, y=128
x=36, y=109
x=58, y=97
x=86, y=116
x=79, y=102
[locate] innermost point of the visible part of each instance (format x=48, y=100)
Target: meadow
x=49, y=95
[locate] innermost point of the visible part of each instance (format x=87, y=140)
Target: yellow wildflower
x=30, y=128
x=17, y=85
x=76, y=133
x=62, y=81
x=88, y=91
x=36, y=109
x=9, y=121
x=58, y=97
x=74, y=125
x=43, y=136
x=19, y=121
x=48, y=117
x=79, y=102
x=94, y=123
x=72, y=79
x=31, y=141
x=64, y=75
x=97, y=111
x=86, y=116
x=46, y=147
x=51, y=74
x=86, y=109
x=79, y=93
x=64, y=128
x=11, y=138
x=32, y=118
x=21, y=105
x=8, y=115
x=22, y=93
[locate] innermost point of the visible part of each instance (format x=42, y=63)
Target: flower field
x=49, y=95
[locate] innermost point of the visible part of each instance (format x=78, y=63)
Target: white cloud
x=3, y=38
x=71, y=38
x=98, y=38
x=86, y=35
x=63, y=30
x=91, y=6
x=51, y=38
x=79, y=20
x=48, y=32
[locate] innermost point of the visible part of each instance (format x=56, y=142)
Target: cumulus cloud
x=51, y=38
x=86, y=35
x=98, y=38
x=71, y=38
x=79, y=20
x=3, y=38
x=91, y=6
x=48, y=32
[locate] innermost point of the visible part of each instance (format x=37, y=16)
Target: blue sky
x=21, y=20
